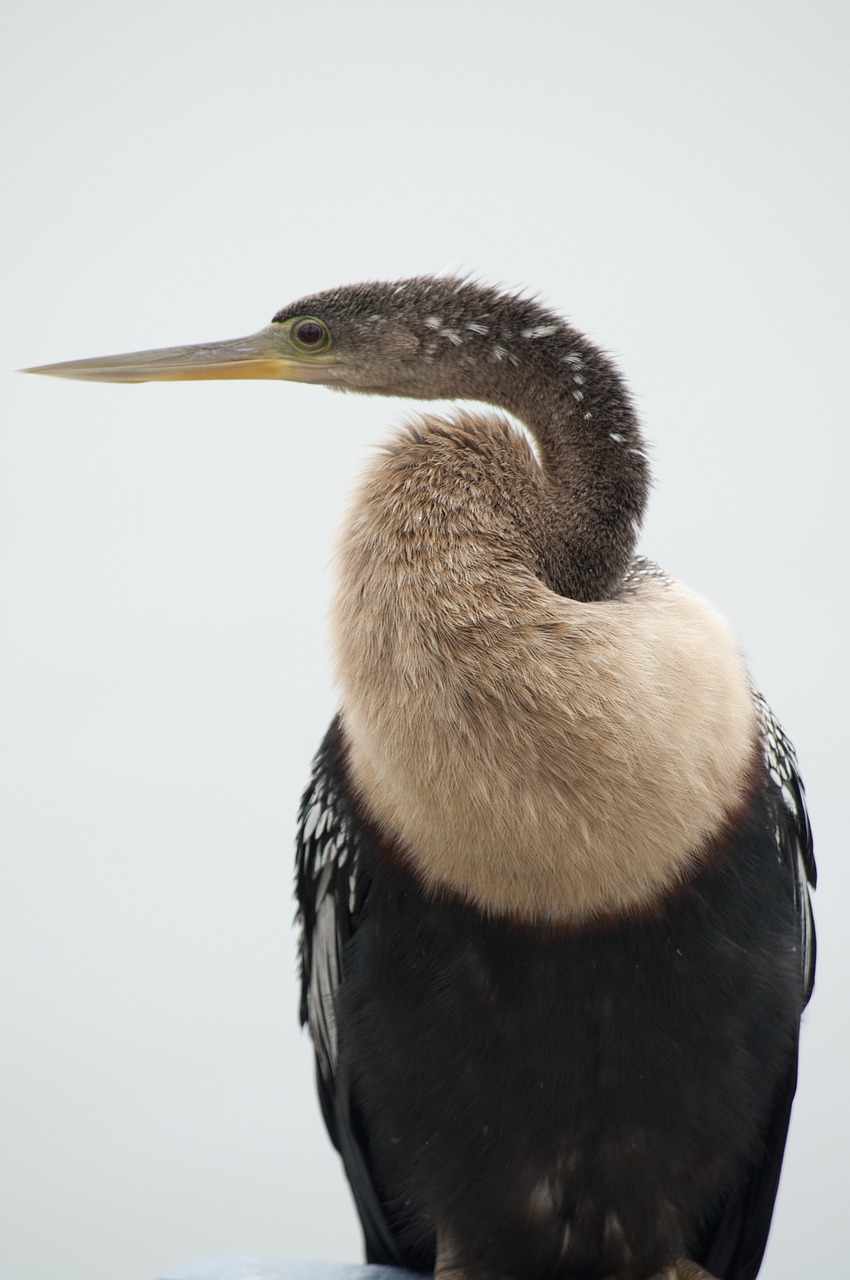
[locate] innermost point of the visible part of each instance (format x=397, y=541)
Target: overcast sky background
x=674, y=178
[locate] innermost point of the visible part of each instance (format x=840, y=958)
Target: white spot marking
x=572, y=358
x=542, y=1199
x=478, y=328
x=540, y=331
x=311, y=821
x=578, y=395
x=616, y=437
x=452, y=335
x=433, y=322
x=499, y=353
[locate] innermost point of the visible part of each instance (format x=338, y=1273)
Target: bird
x=553, y=864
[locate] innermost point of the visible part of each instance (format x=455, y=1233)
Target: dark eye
x=310, y=335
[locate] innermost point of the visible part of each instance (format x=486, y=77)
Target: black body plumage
x=525, y=1078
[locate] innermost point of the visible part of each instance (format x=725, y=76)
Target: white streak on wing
x=328, y=852
x=311, y=820
x=323, y=986
x=808, y=925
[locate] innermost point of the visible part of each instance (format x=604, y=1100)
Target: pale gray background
x=674, y=177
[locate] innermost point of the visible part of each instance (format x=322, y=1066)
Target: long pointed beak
x=262, y=355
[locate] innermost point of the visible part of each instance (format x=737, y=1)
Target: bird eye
x=310, y=335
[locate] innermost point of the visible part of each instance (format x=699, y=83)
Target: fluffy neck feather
x=542, y=757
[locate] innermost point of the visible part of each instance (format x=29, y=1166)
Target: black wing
x=793, y=834
x=332, y=891
x=734, y=1244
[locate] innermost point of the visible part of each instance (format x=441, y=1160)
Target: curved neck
x=576, y=407
x=511, y=353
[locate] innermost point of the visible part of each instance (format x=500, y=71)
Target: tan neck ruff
x=543, y=758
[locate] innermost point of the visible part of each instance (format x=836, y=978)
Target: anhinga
x=553, y=861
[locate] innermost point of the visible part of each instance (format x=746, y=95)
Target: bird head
x=426, y=337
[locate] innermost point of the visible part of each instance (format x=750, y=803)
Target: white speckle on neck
x=573, y=358
x=540, y=331
x=578, y=395
x=498, y=353
x=616, y=437
x=452, y=335
x=433, y=322
x=475, y=327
